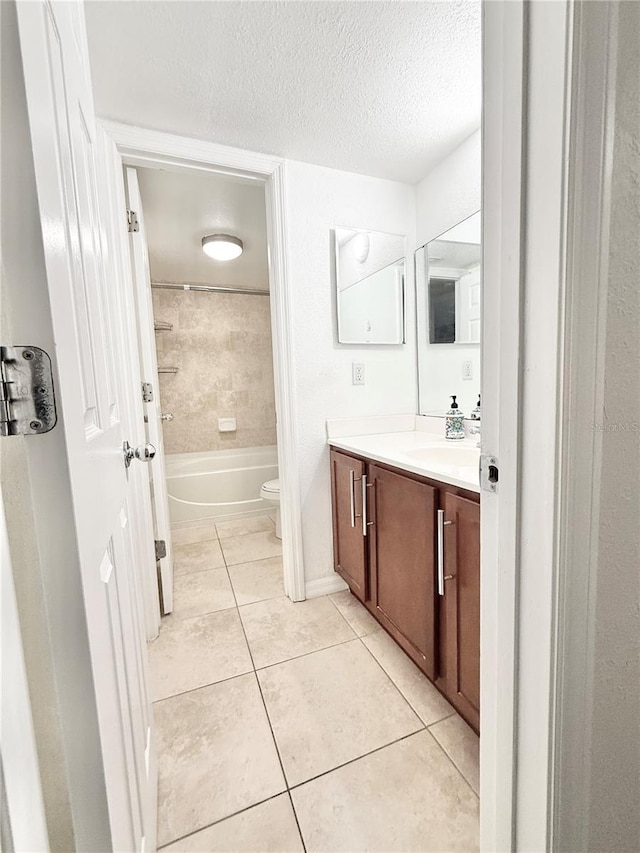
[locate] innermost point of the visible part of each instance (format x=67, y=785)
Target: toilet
x=270, y=492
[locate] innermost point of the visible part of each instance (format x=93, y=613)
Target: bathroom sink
x=438, y=455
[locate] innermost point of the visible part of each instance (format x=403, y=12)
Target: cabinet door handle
x=441, y=578
x=364, y=504
x=352, y=496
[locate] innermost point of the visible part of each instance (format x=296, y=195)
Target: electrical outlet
x=357, y=373
x=467, y=370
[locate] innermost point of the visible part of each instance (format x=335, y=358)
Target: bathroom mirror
x=370, y=280
x=448, y=287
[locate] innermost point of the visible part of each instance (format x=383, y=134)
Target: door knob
x=166, y=416
x=144, y=453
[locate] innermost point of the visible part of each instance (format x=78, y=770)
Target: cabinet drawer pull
x=441, y=578
x=364, y=504
x=352, y=496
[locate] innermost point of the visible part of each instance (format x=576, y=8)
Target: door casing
x=141, y=147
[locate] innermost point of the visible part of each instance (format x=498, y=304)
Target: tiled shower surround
x=221, y=345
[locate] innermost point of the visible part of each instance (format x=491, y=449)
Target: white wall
x=614, y=816
x=448, y=194
x=318, y=200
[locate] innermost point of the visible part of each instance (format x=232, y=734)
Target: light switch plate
x=467, y=370
x=357, y=373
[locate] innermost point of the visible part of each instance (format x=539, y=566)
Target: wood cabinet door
x=462, y=605
x=402, y=561
x=349, y=552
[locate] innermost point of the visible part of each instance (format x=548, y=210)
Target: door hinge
x=27, y=399
x=132, y=221
x=489, y=473
x=147, y=392
x=161, y=549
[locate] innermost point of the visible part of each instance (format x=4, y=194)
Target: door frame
x=21, y=799
x=547, y=150
x=142, y=147
x=503, y=188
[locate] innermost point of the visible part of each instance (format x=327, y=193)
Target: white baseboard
x=324, y=586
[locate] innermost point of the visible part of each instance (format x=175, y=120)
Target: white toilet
x=270, y=492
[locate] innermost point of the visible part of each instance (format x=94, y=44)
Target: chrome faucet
x=475, y=430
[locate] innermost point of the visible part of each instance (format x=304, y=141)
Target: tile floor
x=291, y=727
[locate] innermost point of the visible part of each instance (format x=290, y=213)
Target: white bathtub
x=220, y=483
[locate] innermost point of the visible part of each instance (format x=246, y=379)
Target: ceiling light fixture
x=360, y=245
x=222, y=247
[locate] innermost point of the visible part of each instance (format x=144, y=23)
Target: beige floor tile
x=251, y=547
x=197, y=593
x=216, y=756
x=242, y=526
x=330, y=707
x=280, y=629
x=405, y=797
x=462, y=745
x=425, y=700
x=194, y=522
x=266, y=828
x=190, y=535
x=355, y=613
x=197, y=557
x=190, y=653
x=257, y=581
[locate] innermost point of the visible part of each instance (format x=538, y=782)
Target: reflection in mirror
x=370, y=274
x=448, y=282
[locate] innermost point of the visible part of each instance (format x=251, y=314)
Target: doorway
x=204, y=330
x=188, y=159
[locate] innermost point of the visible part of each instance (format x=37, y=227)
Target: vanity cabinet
x=401, y=561
x=409, y=549
x=460, y=669
x=349, y=543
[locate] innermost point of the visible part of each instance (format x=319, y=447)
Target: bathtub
x=220, y=483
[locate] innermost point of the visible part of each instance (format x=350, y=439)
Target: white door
x=149, y=374
x=92, y=339
x=468, y=308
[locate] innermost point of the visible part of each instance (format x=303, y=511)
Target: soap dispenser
x=454, y=421
x=477, y=412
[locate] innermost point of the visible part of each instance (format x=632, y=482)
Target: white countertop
x=419, y=452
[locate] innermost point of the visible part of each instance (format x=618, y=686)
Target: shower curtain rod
x=209, y=288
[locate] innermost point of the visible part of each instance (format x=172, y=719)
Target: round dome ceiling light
x=222, y=247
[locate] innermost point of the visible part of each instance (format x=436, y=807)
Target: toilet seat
x=271, y=490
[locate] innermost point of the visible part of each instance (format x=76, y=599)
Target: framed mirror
x=448, y=299
x=370, y=280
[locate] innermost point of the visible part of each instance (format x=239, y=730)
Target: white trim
x=325, y=586
x=286, y=408
x=549, y=123
x=21, y=788
x=589, y=208
x=148, y=147
x=138, y=146
x=504, y=83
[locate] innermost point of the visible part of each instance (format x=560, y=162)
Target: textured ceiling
x=180, y=208
x=380, y=88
